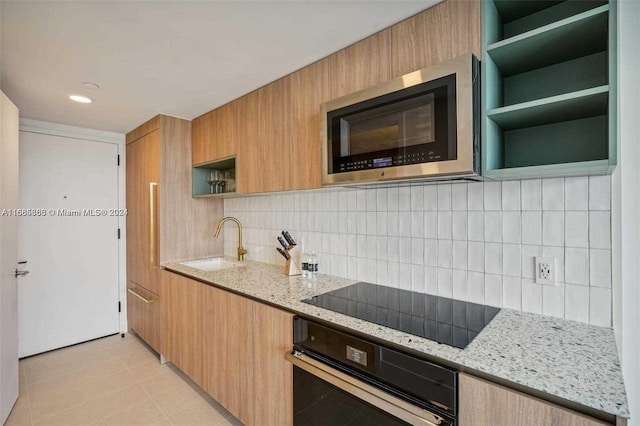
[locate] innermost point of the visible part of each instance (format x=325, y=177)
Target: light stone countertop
x=564, y=361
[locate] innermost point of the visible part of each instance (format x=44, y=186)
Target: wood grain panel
x=170, y=321
x=202, y=135
x=361, y=65
x=443, y=32
x=142, y=130
x=309, y=88
x=483, y=403
x=144, y=318
x=225, y=132
x=273, y=375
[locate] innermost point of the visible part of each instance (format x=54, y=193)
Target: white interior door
x=8, y=257
x=71, y=293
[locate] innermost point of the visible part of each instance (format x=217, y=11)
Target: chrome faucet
x=241, y=250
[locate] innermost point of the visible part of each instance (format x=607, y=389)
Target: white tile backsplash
x=470, y=241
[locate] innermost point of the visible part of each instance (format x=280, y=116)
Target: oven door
x=323, y=395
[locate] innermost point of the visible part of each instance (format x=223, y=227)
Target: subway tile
x=381, y=199
x=352, y=202
x=382, y=220
x=445, y=282
x=459, y=225
x=362, y=246
x=393, y=272
x=558, y=254
x=553, y=300
x=531, y=227
x=553, y=228
x=531, y=296
x=476, y=226
x=382, y=247
x=511, y=260
x=404, y=223
x=417, y=251
x=599, y=193
x=362, y=223
x=553, y=194
x=405, y=250
x=600, y=268
x=444, y=225
x=459, y=258
x=475, y=287
x=362, y=269
x=430, y=225
x=431, y=280
x=392, y=198
x=352, y=268
x=476, y=256
x=372, y=246
x=444, y=197
x=600, y=306
x=531, y=192
x=343, y=199
x=459, y=284
x=576, y=232
x=404, y=276
x=335, y=222
x=576, y=303
x=576, y=269
x=430, y=197
x=417, y=278
x=493, y=258
x=393, y=249
x=511, y=231
x=372, y=200
x=600, y=229
x=381, y=272
x=445, y=253
x=493, y=290
x=404, y=198
x=475, y=196
x=393, y=224
x=372, y=228
x=417, y=224
x=431, y=252
x=576, y=193
x=511, y=196
x=417, y=197
x=459, y=197
x=492, y=196
x=371, y=276
x=493, y=227
x=352, y=245
x=512, y=292
x=529, y=252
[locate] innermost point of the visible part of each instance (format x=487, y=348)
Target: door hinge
x=119, y=306
x=118, y=233
x=118, y=159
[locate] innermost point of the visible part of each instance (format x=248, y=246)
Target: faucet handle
x=241, y=252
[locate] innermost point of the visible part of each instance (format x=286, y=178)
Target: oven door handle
x=368, y=393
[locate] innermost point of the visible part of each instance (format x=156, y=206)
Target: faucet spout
x=241, y=250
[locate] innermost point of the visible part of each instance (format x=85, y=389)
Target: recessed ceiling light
x=90, y=85
x=81, y=99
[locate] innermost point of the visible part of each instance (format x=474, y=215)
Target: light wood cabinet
x=445, y=31
x=214, y=134
x=308, y=88
x=144, y=309
x=482, y=403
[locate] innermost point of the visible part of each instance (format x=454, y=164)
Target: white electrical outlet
x=545, y=270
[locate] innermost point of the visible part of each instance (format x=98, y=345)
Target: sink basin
x=213, y=264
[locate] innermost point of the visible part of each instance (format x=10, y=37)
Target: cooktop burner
x=451, y=322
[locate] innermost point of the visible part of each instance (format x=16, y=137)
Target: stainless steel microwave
x=422, y=125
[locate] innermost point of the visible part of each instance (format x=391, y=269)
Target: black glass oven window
x=318, y=403
x=448, y=321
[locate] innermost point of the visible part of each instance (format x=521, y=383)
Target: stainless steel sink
x=212, y=264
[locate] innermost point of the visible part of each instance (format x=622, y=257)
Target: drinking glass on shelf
x=213, y=178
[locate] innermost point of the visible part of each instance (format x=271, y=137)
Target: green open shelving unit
x=548, y=88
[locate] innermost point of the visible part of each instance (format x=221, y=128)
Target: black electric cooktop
x=451, y=322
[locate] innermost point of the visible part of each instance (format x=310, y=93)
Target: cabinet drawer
x=143, y=314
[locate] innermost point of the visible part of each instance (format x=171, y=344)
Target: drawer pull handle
x=144, y=299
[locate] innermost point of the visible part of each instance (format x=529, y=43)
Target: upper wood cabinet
x=264, y=127
x=483, y=403
x=361, y=65
x=308, y=88
x=445, y=31
x=214, y=134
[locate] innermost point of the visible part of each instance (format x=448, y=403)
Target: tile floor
x=110, y=381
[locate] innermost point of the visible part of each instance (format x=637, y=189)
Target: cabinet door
x=182, y=324
x=143, y=162
x=228, y=351
x=263, y=127
x=309, y=88
x=214, y=134
x=273, y=375
x=445, y=31
x=143, y=313
x=483, y=403
x=361, y=65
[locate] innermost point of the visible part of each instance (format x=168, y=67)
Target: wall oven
x=340, y=379
x=422, y=125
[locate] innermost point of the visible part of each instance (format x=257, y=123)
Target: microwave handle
x=370, y=394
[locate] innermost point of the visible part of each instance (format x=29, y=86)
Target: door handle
x=20, y=273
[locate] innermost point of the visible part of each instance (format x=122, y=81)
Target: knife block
x=293, y=265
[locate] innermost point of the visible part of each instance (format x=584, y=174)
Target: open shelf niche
x=201, y=178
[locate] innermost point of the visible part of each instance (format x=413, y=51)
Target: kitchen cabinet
x=164, y=222
x=231, y=346
x=549, y=88
x=445, y=31
x=482, y=403
x=214, y=134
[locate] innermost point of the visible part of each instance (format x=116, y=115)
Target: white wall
x=469, y=241
x=626, y=205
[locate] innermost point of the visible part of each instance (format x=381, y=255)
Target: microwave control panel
x=405, y=157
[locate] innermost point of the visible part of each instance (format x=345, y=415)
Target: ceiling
x=181, y=58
